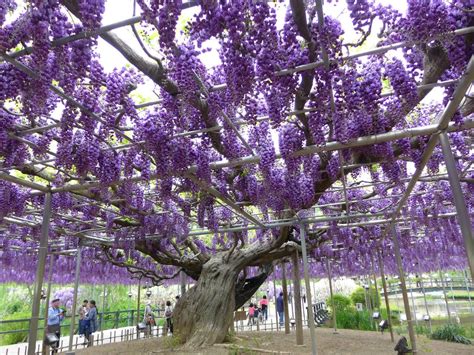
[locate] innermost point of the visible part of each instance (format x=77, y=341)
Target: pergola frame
x=436, y=132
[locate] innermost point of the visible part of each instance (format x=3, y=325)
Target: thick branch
x=304, y=89
x=134, y=269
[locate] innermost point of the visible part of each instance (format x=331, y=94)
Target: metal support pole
x=138, y=300
x=454, y=300
x=468, y=290
x=424, y=296
x=385, y=294
x=275, y=298
x=291, y=297
x=74, y=297
x=129, y=314
x=182, y=276
x=413, y=304
x=444, y=294
x=369, y=293
x=285, y=299
x=314, y=289
x=406, y=303
x=377, y=294
x=365, y=298
x=48, y=295
x=42, y=254
x=309, y=301
x=103, y=299
x=297, y=297
x=463, y=217
x=328, y=267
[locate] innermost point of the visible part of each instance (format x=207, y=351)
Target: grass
x=172, y=342
x=237, y=350
x=451, y=332
x=459, y=295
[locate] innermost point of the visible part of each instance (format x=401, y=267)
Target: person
x=149, y=317
x=280, y=306
x=55, y=317
x=91, y=321
x=264, y=307
x=169, y=317
x=251, y=314
x=83, y=310
x=418, y=280
x=257, y=315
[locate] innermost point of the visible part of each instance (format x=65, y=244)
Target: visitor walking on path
x=280, y=308
x=149, y=318
x=83, y=311
x=264, y=307
x=55, y=317
x=251, y=314
x=91, y=321
x=169, y=317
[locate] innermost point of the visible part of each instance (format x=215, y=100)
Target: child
x=169, y=315
x=251, y=314
x=256, y=314
x=264, y=306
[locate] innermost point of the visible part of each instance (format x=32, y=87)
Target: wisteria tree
x=140, y=179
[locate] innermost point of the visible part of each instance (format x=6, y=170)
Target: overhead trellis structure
x=236, y=127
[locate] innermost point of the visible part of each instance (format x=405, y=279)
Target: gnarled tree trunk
x=203, y=315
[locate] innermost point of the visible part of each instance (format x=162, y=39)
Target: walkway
x=129, y=333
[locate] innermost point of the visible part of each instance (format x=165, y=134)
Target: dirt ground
x=328, y=343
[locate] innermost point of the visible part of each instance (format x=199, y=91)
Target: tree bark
x=204, y=314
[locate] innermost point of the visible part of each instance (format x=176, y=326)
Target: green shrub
x=13, y=338
x=451, y=332
x=341, y=302
x=358, y=296
x=353, y=319
x=394, y=312
x=422, y=329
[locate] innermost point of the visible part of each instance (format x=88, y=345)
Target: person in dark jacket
x=91, y=321
x=280, y=308
x=83, y=310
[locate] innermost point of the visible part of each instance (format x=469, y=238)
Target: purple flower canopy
x=259, y=121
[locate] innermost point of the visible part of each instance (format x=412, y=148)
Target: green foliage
x=352, y=319
x=172, y=342
x=341, y=302
x=458, y=295
x=239, y=350
x=359, y=296
x=451, y=332
x=14, y=338
x=394, y=312
x=230, y=337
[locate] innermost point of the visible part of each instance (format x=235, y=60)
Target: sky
x=119, y=10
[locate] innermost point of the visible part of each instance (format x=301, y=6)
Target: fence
x=433, y=284
x=106, y=320
x=130, y=333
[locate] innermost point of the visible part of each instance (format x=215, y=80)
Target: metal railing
x=110, y=336
x=435, y=283
x=105, y=320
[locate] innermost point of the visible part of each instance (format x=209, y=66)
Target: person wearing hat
x=149, y=317
x=55, y=317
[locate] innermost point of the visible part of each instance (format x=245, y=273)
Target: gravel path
x=344, y=342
